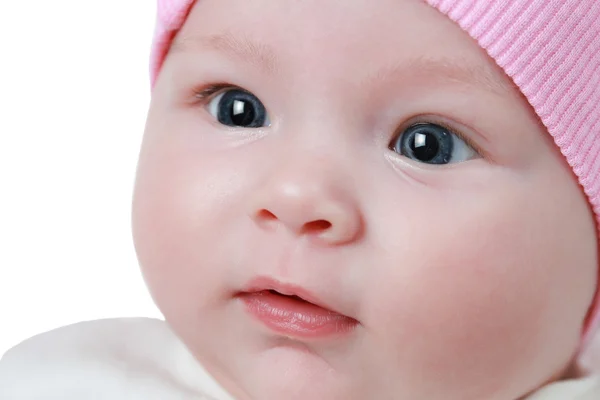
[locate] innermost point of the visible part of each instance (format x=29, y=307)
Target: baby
x=357, y=199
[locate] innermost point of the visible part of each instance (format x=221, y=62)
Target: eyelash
x=203, y=94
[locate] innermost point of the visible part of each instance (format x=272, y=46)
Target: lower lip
x=294, y=317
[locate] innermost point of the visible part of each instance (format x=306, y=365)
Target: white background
x=74, y=90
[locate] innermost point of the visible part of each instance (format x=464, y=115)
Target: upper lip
x=265, y=283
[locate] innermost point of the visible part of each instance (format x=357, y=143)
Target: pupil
x=242, y=113
x=242, y=109
x=425, y=146
x=427, y=143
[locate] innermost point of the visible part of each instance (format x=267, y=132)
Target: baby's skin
x=369, y=157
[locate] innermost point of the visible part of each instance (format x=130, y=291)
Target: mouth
x=291, y=297
x=292, y=311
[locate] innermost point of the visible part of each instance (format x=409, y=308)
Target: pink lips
x=292, y=311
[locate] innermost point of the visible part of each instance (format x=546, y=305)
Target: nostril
x=266, y=215
x=267, y=219
x=316, y=226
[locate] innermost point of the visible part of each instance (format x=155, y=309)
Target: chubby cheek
x=495, y=289
x=181, y=230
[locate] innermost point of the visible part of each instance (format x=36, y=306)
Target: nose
x=309, y=201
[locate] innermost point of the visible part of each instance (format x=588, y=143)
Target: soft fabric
x=551, y=50
x=118, y=359
x=142, y=359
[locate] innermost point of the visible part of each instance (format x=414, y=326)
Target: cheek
x=180, y=217
x=490, y=290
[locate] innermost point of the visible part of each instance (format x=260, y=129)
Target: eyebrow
x=445, y=70
x=240, y=47
x=442, y=70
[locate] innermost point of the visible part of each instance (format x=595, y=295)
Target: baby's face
x=369, y=153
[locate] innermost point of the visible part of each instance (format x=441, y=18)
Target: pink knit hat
x=551, y=50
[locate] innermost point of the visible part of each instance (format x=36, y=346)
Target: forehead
x=356, y=37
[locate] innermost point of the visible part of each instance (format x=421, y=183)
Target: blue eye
x=432, y=144
x=239, y=108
